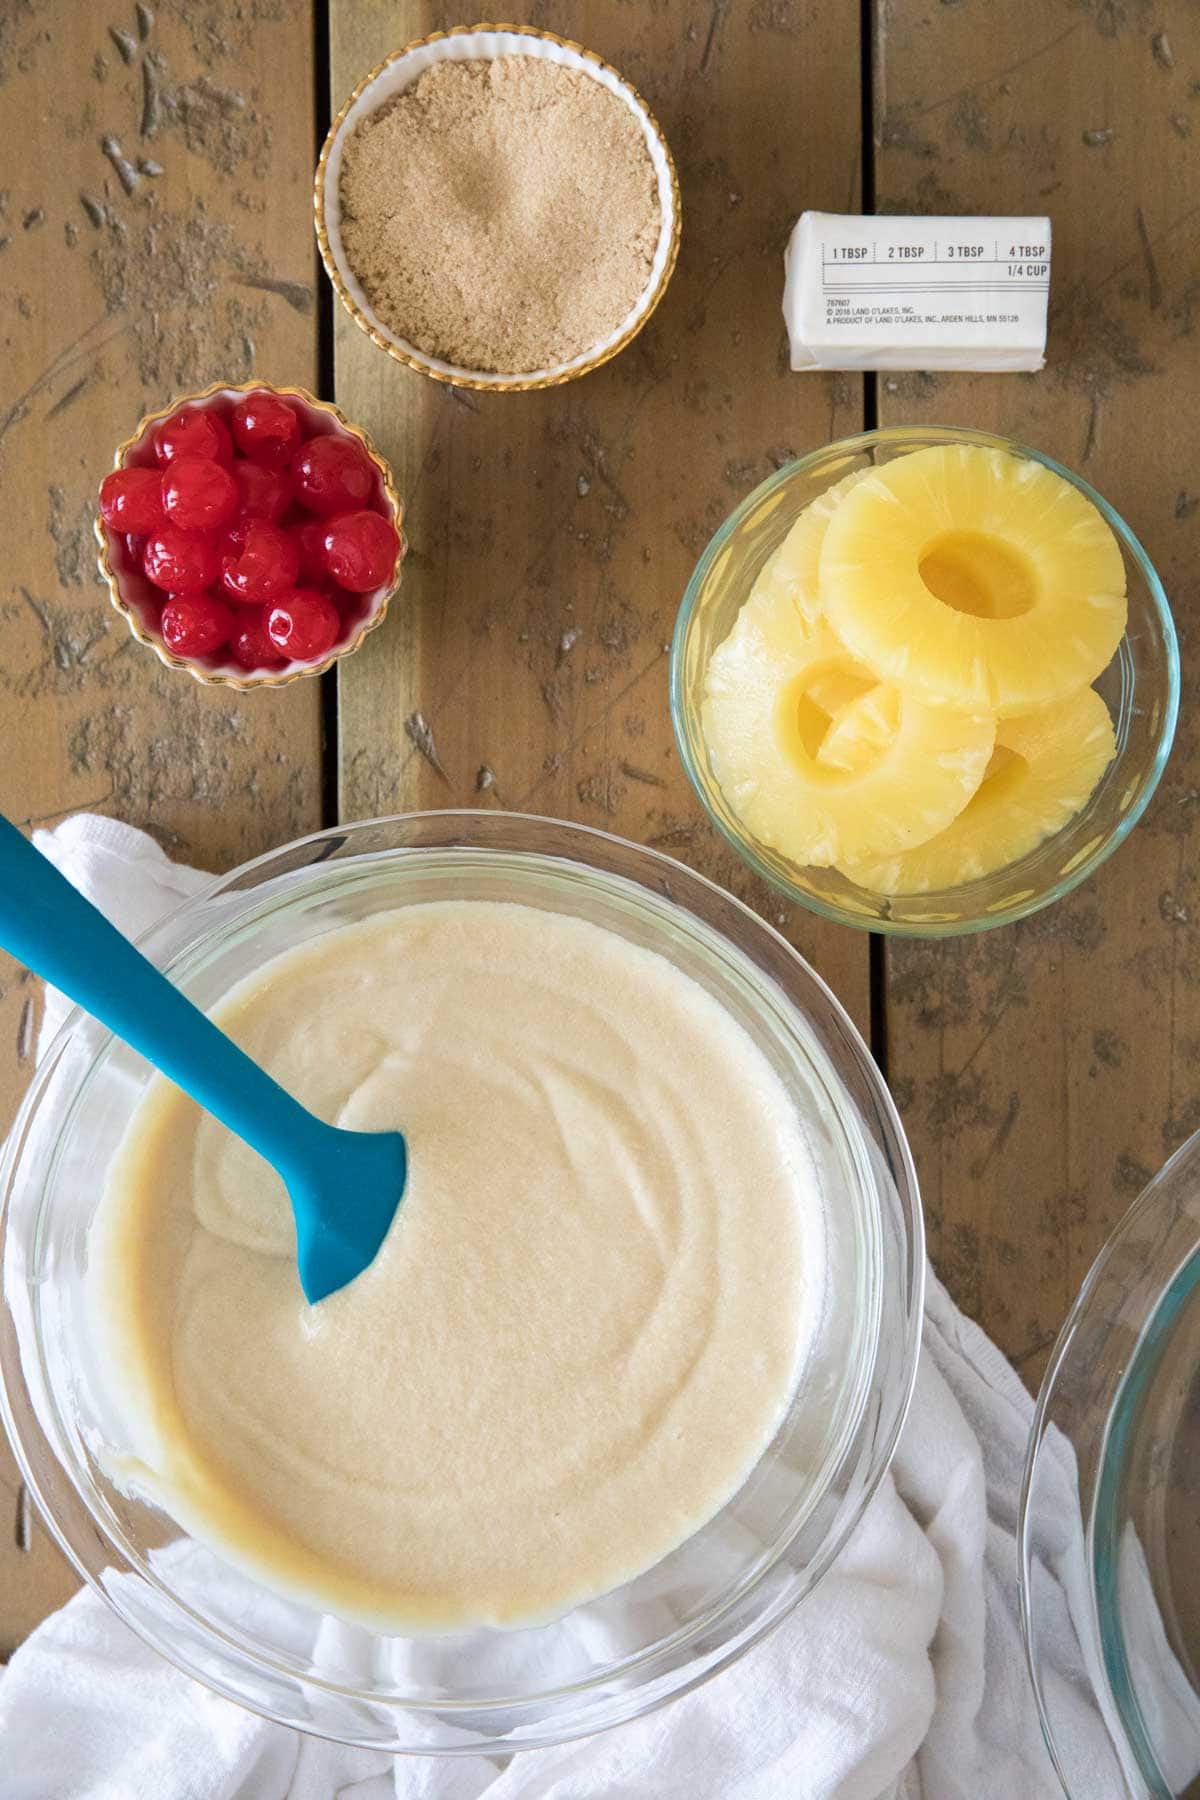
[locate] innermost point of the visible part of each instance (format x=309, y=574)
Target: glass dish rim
x=1109, y=1705
x=630, y=1704
x=686, y=739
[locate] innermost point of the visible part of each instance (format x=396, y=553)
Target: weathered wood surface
x=1044, y=1071
x=553, y=533
x=153, y=237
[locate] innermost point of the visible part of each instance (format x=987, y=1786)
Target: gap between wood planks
x=870, y=66
x=326, y=389
x=330, y=748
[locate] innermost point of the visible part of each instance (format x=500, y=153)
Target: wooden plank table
x=155, y=235
x=153, y=238
x=1045, y=1071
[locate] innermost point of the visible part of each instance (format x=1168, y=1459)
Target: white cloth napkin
x=901, y=1677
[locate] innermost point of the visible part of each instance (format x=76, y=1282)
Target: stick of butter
x=931, y=293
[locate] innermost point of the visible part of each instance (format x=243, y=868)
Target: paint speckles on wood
x=134, y=271
x=419, y=733
x=1045, y=1071
x=23, y=37
x=25, y=1029
x=124, y=170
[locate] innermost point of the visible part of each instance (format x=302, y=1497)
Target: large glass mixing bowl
x=634, y=1648
x=1110, y=1514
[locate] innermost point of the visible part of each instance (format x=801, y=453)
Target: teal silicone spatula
x=344, y=1186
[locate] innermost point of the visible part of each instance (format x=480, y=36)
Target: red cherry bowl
x=279, y=482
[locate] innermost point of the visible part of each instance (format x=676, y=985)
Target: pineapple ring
x=976, y=578
x=794, y=569
x=820, y=760
x=1044, y=771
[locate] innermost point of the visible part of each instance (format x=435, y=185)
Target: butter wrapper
x=924, y=293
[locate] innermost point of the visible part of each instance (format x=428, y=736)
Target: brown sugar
x=502, y=215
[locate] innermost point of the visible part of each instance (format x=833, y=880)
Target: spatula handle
x=46, y=924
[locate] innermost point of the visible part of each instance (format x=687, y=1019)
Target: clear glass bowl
x=1110, y=1511
x=1140, y=686
x=634, y=1648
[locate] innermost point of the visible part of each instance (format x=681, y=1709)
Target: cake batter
x=584, y=1326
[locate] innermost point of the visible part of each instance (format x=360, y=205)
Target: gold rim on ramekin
x=267, y=677
x=498, y=384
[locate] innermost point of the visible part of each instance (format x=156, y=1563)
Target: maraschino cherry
x=193, y=431
x=198, y=494
x=303, y=625
x=332, y=475
x=195, y=624
x=131, y=500
x=258, y=562
x=360, y=550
